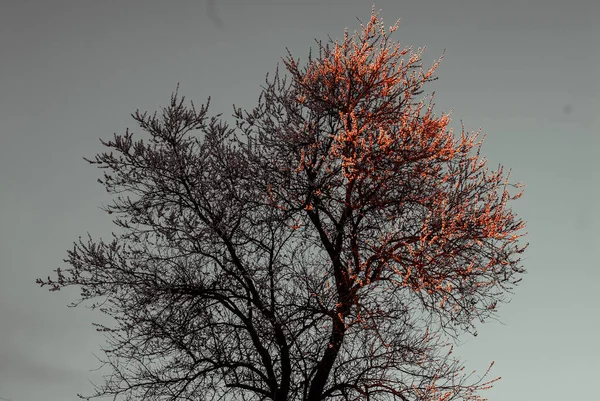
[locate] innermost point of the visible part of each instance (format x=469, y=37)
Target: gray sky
x=72, y=72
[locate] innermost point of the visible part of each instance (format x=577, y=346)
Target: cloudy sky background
x=72, y=71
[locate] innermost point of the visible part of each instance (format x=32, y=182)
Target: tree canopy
x=330, y=245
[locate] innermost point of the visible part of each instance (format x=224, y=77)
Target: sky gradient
x=71, y=72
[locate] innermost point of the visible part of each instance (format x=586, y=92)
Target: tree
x=329, y=246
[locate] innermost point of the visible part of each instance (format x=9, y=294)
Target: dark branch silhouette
x=329, y=246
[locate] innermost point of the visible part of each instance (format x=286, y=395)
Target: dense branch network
x=327, y=247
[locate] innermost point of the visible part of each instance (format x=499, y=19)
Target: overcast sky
x=71, y=72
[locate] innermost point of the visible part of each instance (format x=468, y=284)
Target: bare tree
x=330, y=246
